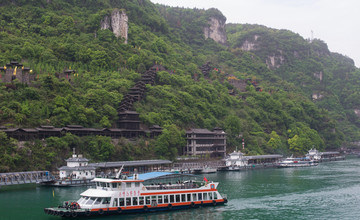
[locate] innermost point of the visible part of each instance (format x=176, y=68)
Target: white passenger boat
x=297, y=162
x=142, y=193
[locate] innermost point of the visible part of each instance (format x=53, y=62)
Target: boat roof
x=161, y=175
x=155, y=175
x=145, y=176
x=109, y=180
x=97, y=193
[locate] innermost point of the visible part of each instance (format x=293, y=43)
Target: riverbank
x=328, y=191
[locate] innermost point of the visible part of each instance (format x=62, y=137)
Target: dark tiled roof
x=199, y=131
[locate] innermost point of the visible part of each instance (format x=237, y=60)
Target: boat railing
x=172, y=186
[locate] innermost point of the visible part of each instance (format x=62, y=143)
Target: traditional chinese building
x=204, y=142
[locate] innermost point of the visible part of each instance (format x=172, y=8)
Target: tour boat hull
x=63, y=212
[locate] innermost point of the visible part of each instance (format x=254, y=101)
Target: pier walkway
x=17, y=178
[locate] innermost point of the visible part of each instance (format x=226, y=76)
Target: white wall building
x=77, y=168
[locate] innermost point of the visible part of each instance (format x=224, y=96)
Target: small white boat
x=297, y=162
x=137, y=195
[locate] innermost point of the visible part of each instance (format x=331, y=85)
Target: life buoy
x=119, y=210
x=101, y=211
x=87, y=213
x=214, y=202
x=170, y=206
x=74, y=214
x=192, y=205
x=145, y=208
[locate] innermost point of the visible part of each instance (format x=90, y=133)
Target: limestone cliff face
x=274, y=60
x=216, y=30
x=117, y=22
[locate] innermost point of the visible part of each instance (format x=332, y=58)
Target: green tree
x=170, y=142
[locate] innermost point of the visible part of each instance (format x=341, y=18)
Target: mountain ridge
x=273, y=111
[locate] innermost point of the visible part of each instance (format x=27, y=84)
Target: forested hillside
x=274, y=113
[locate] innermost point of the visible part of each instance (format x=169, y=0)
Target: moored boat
x=297, y=162
x=148, y=192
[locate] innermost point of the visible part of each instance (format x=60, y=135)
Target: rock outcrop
x=117, y=22
x=216, y=30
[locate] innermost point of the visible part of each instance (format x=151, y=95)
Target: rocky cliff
x=117, y=22
x=216, y=30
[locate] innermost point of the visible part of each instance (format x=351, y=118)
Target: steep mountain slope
x=329, y=79
x=249, y=85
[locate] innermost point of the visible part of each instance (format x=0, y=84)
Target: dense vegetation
x=50, y=36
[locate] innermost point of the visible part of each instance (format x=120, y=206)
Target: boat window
x=215, y=195
x=183, y=199
x=121, y=201
x=103, y=184
x=85, y=200
x=177, y=197
x=199, y=196
x=90, y=201
x=97, y=184
x=115, y=202
x=147, y=200
x=128, y=201
x=166, y=198
x=194, y=197
x=80, y=200
x=171, y=198
x=137, y=184
x=114, y=185
x=106, y=200
x=205, y=196
x=141, y=200
x=135, y=201
x=98, y=201
x=108, y=185
x=188, y=197
x=153, y=199
x=211, y=196
x=128, y=185
x=160, y=199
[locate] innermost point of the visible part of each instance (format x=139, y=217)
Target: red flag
x=205, y=179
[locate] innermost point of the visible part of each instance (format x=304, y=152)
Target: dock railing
x=17, y=178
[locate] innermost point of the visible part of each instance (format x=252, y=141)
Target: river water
x=328, y=191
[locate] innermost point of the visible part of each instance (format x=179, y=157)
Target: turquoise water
x=328, y=191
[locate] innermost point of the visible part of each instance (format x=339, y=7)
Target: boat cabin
x=134, y=192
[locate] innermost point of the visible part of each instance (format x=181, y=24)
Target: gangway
x=17, y=178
